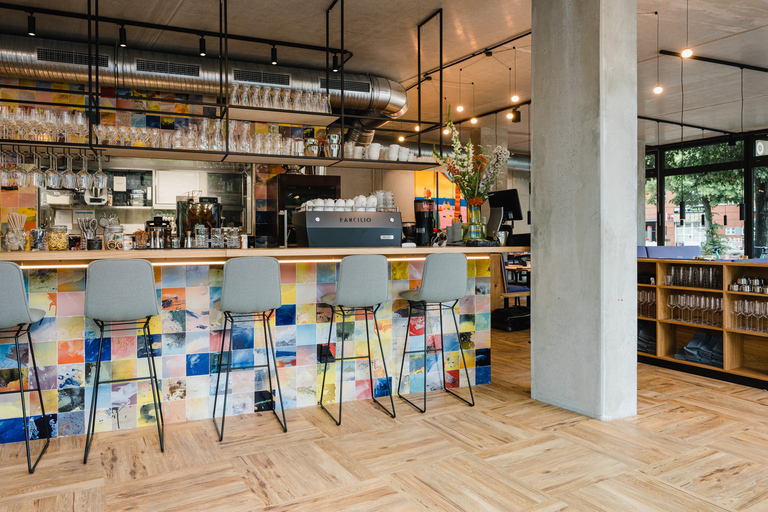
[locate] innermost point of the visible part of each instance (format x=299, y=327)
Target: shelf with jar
x=708, y=325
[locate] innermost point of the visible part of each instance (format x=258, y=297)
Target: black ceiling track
x=715, y=61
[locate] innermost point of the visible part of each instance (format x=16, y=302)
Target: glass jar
x=15, y=240
x=114, y=238
x=201, y=236
x=37, y=239
x=57, y=238
x=233, y=238
x=217, y=238
x=137, y=198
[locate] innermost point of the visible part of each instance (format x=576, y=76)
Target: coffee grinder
x=424, y=211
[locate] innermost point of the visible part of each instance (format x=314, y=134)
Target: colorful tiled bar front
x=187, y=338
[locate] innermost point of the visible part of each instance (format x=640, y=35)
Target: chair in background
x=443, y=285
x=250, y=292
x=120, y=296
x=16, y=318
x=363, y=285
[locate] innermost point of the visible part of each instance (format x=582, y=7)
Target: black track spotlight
x=335, y=67
x=742, y=211
x=682, y=212
x=123, y=38
x=202, y=46
x=725, y=220
x=31, y=30
x=516, y=117
x=274, y=56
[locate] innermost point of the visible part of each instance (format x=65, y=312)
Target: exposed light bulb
x=417, y=128
x=658, y=89
x=401, y=138
x=446, y=131
x=459, y=109
x=473, y=120
x=515, y=98
x=686, y=53
x=510, y=115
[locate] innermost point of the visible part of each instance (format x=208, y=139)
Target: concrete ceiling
x=383, y=38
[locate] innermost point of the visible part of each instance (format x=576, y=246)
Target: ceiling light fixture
x=473, y=120
x=515, y=97
x=123, y=37
x=511, y=115
x=31, y=24
x=460, y=108
x=202, y=46
x=687, y=52
x=401, y=138
x=446, y=131
x=274, y=56
x=417, y=128
x=658, y=89
x=335, y=67
x=515, y=115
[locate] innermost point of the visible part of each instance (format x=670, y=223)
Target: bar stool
x=363, y=285
x=120, y=296
x=17, y=317
x=444, y=280
x=250, y=291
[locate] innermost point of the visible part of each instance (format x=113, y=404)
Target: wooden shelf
x=749, y=372
x=385, y=164
x=689, y=324
x=698, y=365
x=690, y=289
x=643, y=285
x=646, y=318
x=271, y=115
x=162, y=153
x=748, y=294
x=749, y=333
x=279, y=159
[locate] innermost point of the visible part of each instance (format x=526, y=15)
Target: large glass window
x=760, y=209
x=711, y=202
x=651, y=209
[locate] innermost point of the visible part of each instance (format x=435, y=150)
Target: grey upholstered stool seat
x=250, y=291
x=120, y=296
x=443, y=285
x=363, y=285
x=16, y=319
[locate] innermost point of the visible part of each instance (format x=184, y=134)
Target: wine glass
x=100, y=179
x=52, y=176
x=84, y=178
x=69, y=178
x=18, y=174
x=36, y=176
x=5, y=176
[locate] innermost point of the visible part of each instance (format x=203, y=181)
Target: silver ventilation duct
x=56, y=61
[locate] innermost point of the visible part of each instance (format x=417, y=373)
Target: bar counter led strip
x=193, y=263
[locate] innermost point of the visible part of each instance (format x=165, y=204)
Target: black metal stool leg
x=383, y=362
x=405, y=351
x=94, y=397
x=325, y=367
x=21, y=390
x=268, y=339
x=155, y=386
x=40, y=397
x=466, y=372
x=218, y=379
x=226, y=381
x=424, y=355
x=338, y=361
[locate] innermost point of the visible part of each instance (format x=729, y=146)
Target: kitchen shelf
x=385, y=164
x=643, y=285
x=270, y=115
x=646, y=318
x=279, y=159
x=745, y=353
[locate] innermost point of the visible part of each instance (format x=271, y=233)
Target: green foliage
x=704, y=155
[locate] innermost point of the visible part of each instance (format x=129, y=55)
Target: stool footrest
x=233, y=368
x=421, y=351
x=26, y=390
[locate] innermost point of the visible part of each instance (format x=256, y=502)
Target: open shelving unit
x=745, y=352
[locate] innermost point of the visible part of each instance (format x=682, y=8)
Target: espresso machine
x=424, y=211
x=206, y=211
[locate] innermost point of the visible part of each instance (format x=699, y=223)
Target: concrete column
x=640, y=193
x=584, y=172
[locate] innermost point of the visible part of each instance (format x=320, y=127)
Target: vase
x=474, y=229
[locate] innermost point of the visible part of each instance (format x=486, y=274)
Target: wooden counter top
x=68, y=259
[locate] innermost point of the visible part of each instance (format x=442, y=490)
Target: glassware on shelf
x=245, y=137
x=52, y=176
x=235, y=97
x=36, y=175
x=68, y=177
x=18, y=174
x=5, y=174
x=201, y=236
x=57, y=238
x=84, y=178
x=100, y=179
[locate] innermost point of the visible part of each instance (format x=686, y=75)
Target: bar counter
x=186, y=336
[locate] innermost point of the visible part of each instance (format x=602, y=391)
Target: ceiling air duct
x=64, y=62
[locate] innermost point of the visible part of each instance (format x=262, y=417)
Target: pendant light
x=123, y=37
x=515, y=98
x=31, y=29
x=460, y=108
x=682, y=113
x=658, y=89
x=202, y=46
x=335, y=67
x=687, y=52
x=274, y=55
x=474, y=119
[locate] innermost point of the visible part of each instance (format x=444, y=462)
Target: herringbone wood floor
x=696, y=444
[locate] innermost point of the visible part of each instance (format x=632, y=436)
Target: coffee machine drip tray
x=348, y=229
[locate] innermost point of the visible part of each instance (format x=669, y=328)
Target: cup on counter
x=393, y=152
x=501, y=236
